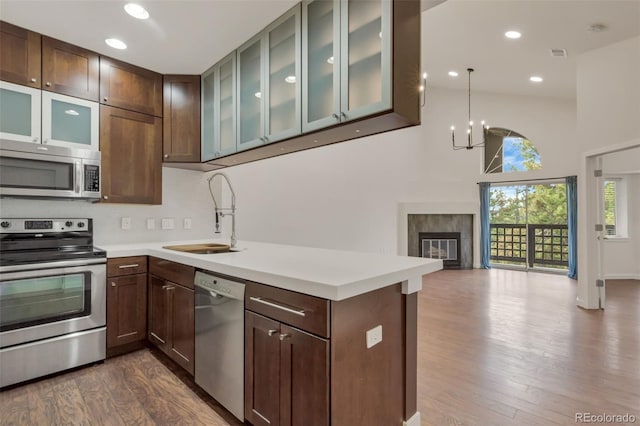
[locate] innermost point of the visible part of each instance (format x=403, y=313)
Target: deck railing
x=533, y=244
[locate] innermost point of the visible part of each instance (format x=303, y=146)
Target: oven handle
x=52, y=265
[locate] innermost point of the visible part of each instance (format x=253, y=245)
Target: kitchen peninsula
x=359, y=322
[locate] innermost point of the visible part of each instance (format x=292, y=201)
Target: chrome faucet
x=221, y=211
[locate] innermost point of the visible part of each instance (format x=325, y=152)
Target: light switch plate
x=167, y=223
x=125, y=223
x=186, y=223
x=374, y=336
x=151, y=223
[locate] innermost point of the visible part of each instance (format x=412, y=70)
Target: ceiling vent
x=561, y=53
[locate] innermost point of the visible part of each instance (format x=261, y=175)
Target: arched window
x=508, y=151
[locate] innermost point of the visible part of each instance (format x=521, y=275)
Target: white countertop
x=330, y=274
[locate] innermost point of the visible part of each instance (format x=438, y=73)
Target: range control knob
x=80, y=224
x=5, y=224
x=68, y=224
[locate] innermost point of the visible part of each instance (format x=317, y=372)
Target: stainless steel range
x=52, y=297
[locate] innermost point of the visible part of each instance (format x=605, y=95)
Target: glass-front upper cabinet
x=283, y=89
x=346, y=60
x=70, y=122
x=269, y=90
x=250, y=112
x=219, y=109
x=19, y=113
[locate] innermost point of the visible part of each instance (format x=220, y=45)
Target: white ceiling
x=461, y=34
x=188, y=36
x=180, y=37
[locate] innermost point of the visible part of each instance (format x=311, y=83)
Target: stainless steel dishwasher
x=219, y=323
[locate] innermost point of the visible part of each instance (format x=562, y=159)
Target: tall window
x=610, y=216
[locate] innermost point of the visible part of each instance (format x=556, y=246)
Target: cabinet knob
x=106, y=197
x=104, y=99
x=343, y=115
x=272, y=332
x=45, y=140
x=113, y=284
x=266, y=139
x=166, y=156
x=33, y=80
x=36, y=139
x=47, y=84
x=336, y=116
x=284, y=336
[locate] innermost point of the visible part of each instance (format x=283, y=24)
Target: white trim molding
x=413, y=421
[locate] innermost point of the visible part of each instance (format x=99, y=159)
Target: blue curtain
x=485, y=230
x=572, y=223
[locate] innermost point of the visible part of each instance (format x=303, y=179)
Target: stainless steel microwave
x=33, y=170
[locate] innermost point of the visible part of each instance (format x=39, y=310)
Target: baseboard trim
x=622, y=277
x=413, y=421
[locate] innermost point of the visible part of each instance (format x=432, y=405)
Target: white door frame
x=589, y=265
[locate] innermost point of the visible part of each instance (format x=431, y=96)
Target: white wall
x=608, y=107
x=346, y=196
x=185, y=194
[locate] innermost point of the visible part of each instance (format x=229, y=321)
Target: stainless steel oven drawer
x=36, y=359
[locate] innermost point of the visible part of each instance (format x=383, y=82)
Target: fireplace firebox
x=441, y=245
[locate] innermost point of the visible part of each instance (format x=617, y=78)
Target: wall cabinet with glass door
x=269, y=91
x=346, y=60
x=219, y=109
x=50, y=118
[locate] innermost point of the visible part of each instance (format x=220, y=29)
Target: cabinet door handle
x=105, y=99
x=48, y=84
x=36, y=139
x=284, y=336
x=156, y=336
x=133, y=265
x=272, y=332
x=106, y=197
x=266, y=139
x=33, y=80
x=167, y=287
x=336, y=116
x=278, y=306
x=113, y=284
x=343, y=115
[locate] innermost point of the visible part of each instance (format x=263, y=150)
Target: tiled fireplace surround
x=414, y=218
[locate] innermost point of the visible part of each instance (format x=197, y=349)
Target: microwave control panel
x=91, y=178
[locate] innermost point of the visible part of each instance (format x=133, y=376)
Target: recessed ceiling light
x=136, y=11
x=115, y=43
x=453, y=74
x=72, y=112
x=512, y=34
x=330, y=60
x=290, y=79
x=535, y=79
x=257, y=95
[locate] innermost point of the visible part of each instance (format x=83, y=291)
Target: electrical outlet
x=167, y=223
x=374, y=336
x=186, y=223
x=151, y=223
x=125, y=223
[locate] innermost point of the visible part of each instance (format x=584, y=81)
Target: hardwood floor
x=503, y=347
x=495, y=347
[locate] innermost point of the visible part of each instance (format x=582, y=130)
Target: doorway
x=528, y=226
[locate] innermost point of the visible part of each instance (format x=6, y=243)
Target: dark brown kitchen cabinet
x=286, y=367
x=181, y=119
x=20, y=55
x=171, y=312
x=70, y=70
x=131, y=146
x=130, y=87
x=126, y=303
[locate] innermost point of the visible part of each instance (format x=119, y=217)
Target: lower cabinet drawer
x=309, y=313
x=172, y=271
x=119, y=266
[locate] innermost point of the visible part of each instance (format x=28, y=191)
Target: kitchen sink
x=200, y=248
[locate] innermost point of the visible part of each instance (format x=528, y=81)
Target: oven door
x=43, y=303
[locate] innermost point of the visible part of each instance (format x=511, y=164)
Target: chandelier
x=470, y=144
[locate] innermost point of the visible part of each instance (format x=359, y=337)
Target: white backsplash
x=184, y=195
